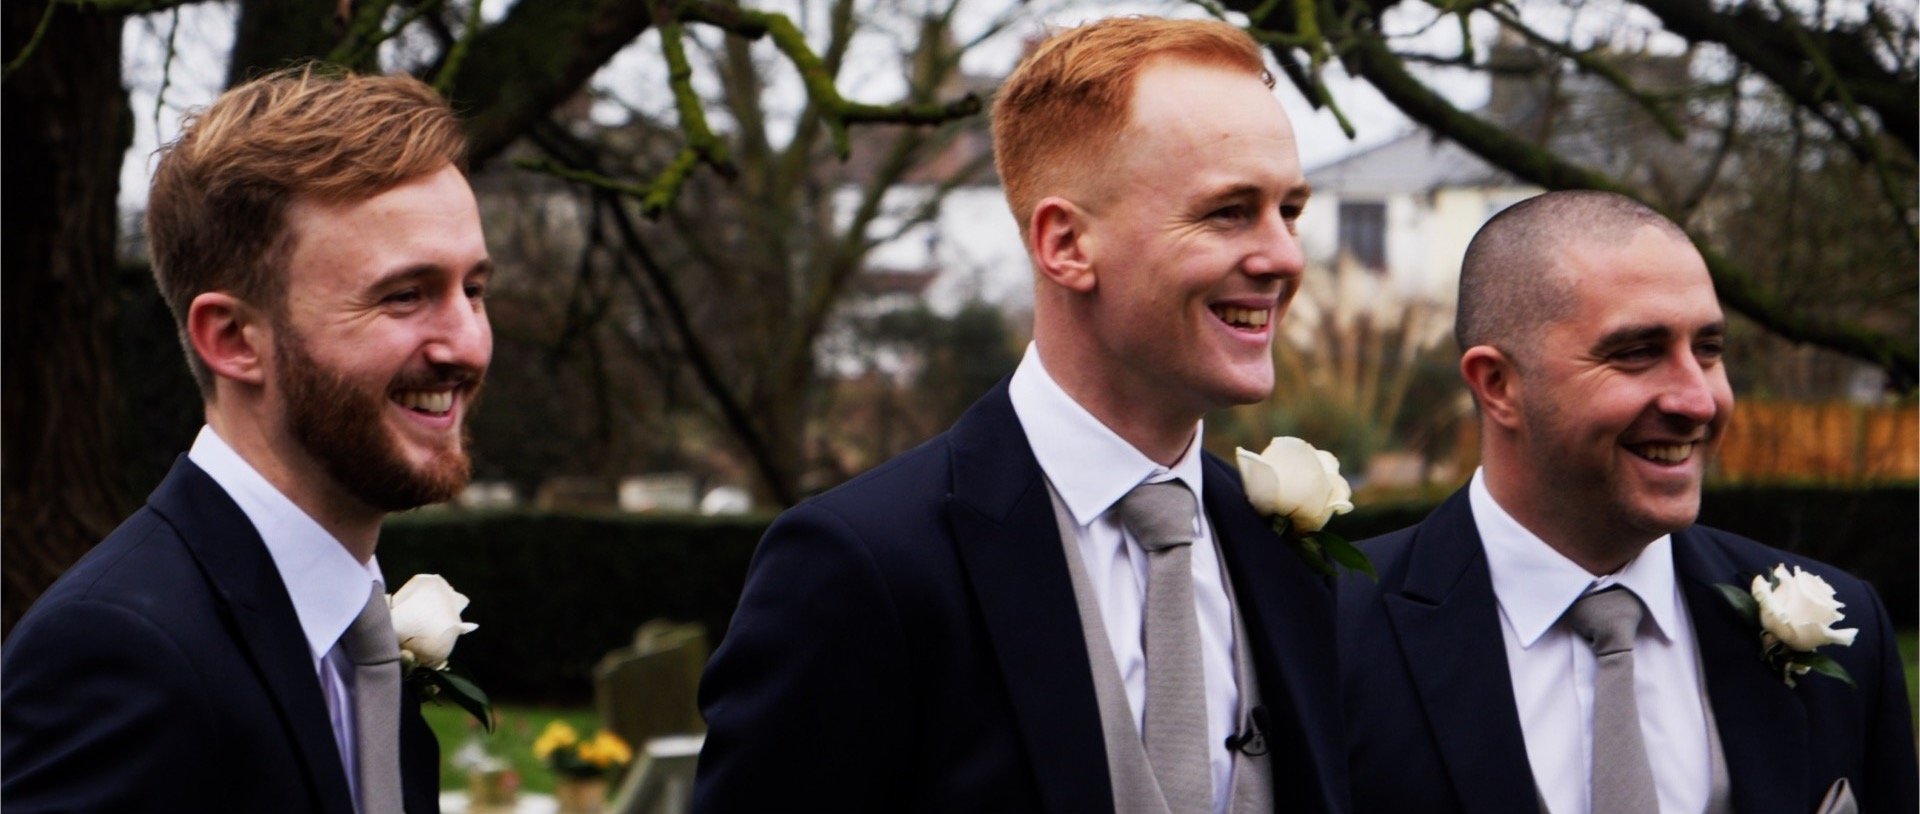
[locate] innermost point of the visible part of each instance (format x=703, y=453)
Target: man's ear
x=1494, y=380
x=1059, y=242
x=230, y=336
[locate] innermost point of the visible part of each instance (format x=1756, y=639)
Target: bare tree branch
x=1368, y=56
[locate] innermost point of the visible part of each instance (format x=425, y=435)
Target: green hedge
x=1871, y=533
x=553, y=592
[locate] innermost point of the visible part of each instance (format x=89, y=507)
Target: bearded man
x=228, y=647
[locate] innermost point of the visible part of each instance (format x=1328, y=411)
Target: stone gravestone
x=661, y=781
x=648, y=689
x=646, y=693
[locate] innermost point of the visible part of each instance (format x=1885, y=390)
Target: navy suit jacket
x=166, y=672
x=910, y=642
x=1430, y=702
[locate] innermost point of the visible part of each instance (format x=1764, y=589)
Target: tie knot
x=1607, y=620
x=1160, y=515
x=370, y=639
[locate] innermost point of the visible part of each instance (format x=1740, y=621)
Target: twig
x=33, y=43
x=457, y=53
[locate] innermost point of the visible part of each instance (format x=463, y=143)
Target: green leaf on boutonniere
x=1826, y=666
x=1312, y=553
x=1741, y=601
x=1345, y=553
x=453, y=684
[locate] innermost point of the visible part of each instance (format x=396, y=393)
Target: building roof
x=1579, y=116
x=1416, y=162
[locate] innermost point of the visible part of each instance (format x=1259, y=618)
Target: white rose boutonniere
x=1299, y=488
x=1795, y=613
x=426, y=617
x=426, y=620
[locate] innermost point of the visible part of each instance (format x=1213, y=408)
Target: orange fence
x=1821, y=442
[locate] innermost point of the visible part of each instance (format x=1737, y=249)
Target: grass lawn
x=512, y=740
x=1909, y=649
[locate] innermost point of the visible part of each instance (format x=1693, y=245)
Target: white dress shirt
x=327, y=585
x=1553, y=668
x=1092, y=467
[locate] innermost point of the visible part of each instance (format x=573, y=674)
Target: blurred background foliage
x=752, y=283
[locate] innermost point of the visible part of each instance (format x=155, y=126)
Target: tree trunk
x=61, y=485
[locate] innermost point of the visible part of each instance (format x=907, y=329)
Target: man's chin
x=1247, y=390
x=399, y=483
x=1668, y=515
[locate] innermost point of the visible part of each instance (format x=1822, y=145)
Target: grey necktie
x=375, y=653
x=1622, y=777
x=1160, y=516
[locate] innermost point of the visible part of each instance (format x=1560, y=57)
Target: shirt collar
x=1090, y=465
x=328, y=586
x=1535, y=585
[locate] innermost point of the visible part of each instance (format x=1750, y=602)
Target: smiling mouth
x=425, y=402
x=1244, y=319
x=1664, y=453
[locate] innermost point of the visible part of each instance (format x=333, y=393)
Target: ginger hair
x=216, y=215
x=1058, y=117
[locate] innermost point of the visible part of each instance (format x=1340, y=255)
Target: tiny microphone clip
x=1251, y=740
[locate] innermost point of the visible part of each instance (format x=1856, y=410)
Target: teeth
x=426, y=401
x=1247, y=317
x=1666, y=453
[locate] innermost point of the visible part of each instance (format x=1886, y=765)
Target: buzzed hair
x=216, y=217
x=1057, y=117
x=1511, y=281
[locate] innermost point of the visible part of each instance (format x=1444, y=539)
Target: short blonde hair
x=1057, y=118
x=216, y=216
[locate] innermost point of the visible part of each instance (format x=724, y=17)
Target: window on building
x=1363, y=234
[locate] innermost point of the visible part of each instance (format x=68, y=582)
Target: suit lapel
x=1009, y=542
x=236, y=562
x=1448, y=625
x=1763, y=726
x=1288, y=612
x=419, y=757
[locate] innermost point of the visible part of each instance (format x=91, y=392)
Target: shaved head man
x=1551, y=637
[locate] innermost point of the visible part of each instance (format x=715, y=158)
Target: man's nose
x=1689, y=392
x=462, y=337
x=1277, y=250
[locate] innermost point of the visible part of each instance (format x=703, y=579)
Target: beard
x=342, y=425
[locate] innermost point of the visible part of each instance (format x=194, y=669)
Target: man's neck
x=1594, y=544
x=302, y=479
x=1161, y=435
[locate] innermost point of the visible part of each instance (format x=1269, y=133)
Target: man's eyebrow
x=1296, y=193
x=1632, y=334
x=407, y=274
x=404, y=274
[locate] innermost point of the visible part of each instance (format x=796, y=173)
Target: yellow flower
x=606, y=751
x=557, y=735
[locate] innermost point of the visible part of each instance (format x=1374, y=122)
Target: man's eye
x=1641, y=353
x=476, y=291
x=1230, y=214
x=1710, y=350
x=402, y=297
